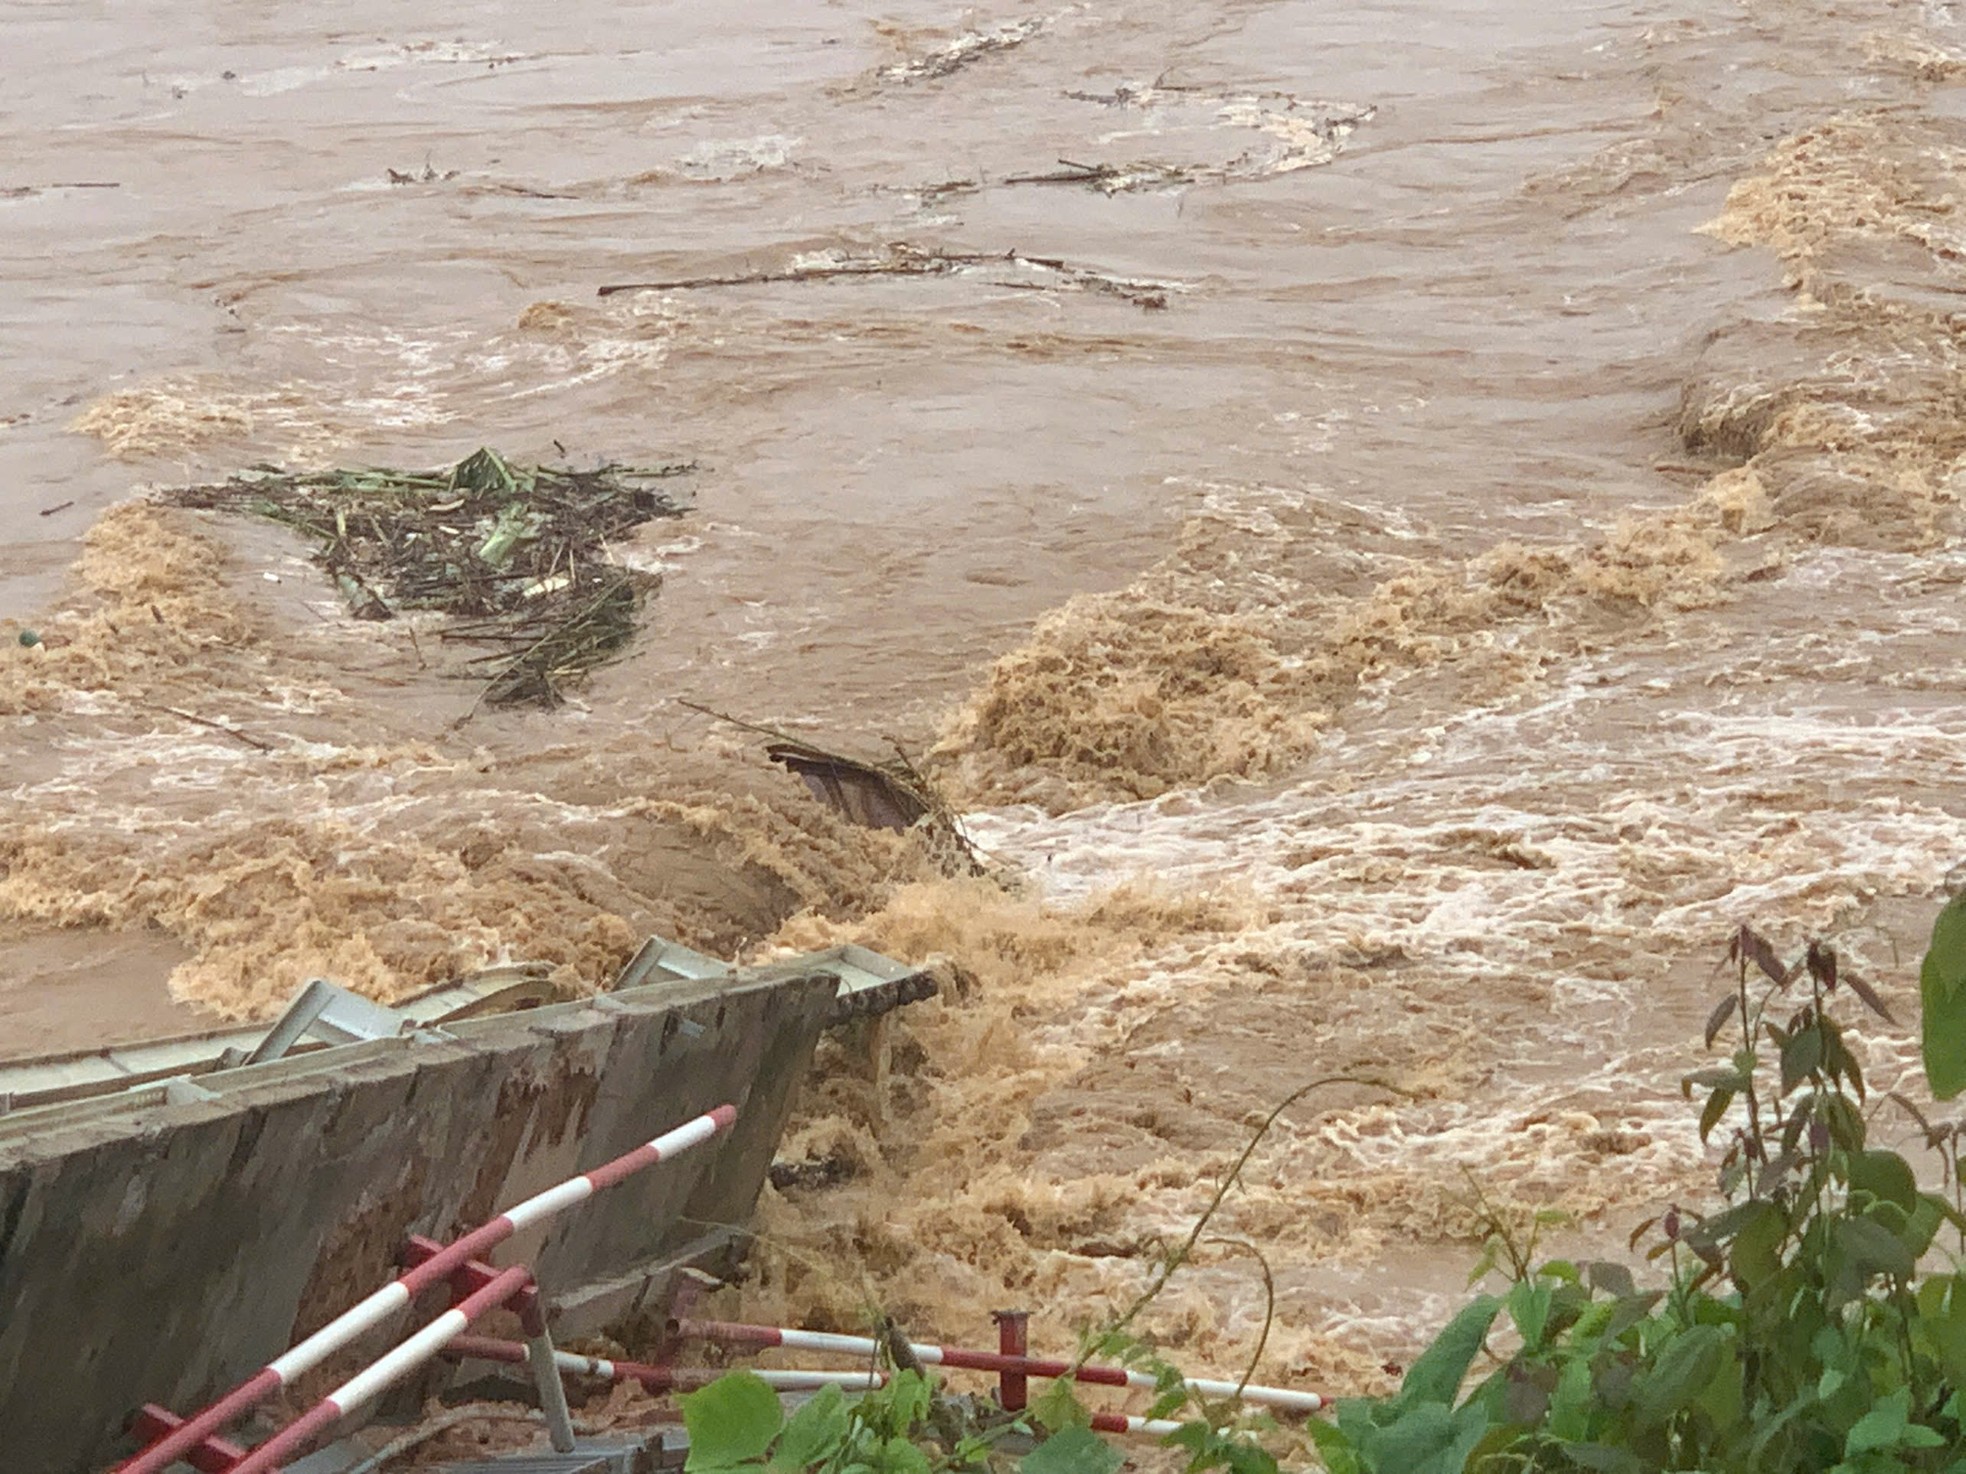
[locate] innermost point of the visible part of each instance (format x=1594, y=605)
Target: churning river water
x=1403, y=524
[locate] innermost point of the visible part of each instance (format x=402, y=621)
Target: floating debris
x=889, y=794
x=1300, y=134
x=28, y=191
x=1114, y=178
x=929, y=195
x=516, y=555
x=966, y=49
x=427, y=175
x=871, y=795
x=899, y=258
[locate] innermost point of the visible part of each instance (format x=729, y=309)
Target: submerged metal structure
x=174, y=1217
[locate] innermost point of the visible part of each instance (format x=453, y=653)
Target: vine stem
x=1180, y=1256
x=1269, y=1308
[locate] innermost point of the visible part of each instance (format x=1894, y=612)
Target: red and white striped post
x=368, y=1384
x=398, y=1293
x=659, y=1378
x=991, y=1361
x=1144, y=1427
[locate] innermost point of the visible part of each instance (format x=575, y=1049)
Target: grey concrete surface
x=162, y=1245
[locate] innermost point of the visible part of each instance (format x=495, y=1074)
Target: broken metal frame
x=330, y=1013
x=82, y=1074
x=324, y=1016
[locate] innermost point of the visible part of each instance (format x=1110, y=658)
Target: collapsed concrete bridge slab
x=162, y=1243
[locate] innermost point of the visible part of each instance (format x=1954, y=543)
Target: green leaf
x=1722, y=1396
x=909, y=1394
x=1059, y=1408
x=1845, y=1122
x=1570, y=1404
x=1074, y=1451
x=1717, y=1020
x=1529, y=1308
x=1613, y=1279
x=1588, y=1331
x=1771, y=1429
x=1941, y=1323
x=1874, y=1249
x=1357, y=1417
x=1629, y=1311
x=1710, y=1233
x=1436, y=1374
x=1885, y=1176
x=1334, y=1448
x=1801, y=1056
x=1716, y=1107
x=899, y=1456
x=1756, y=1253
x=1942, y=995
x=1882, y=1427
x=731, y=1422
x=1524, y=1395
x=1679, y=1375
x=815, y=1431
x=1923, y=1225
x=1427, y=1439
x=1240, y=1457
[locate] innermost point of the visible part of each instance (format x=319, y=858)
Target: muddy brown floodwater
x=1429, y=517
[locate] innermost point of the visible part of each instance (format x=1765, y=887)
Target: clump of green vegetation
x=1794, y=1331
x=515, y=555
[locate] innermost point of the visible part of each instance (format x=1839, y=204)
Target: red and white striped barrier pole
x=368, y=1384
x=990, y=1361
x=685, y=1379
x=660, y=1379
x=1146, y=1427
x=399, y=1292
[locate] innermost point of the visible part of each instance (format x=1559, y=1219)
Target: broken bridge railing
x=476, y=1287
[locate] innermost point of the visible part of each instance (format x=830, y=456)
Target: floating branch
x=1002, y=269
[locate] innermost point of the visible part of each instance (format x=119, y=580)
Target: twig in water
x=906, y=263
x=229, y=731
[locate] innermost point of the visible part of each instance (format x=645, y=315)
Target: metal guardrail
x=478, y=1288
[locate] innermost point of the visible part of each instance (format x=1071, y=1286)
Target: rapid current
x=1435, y=514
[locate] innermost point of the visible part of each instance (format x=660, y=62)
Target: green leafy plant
x=1942, y=995
x=738, y=1426
x=1794, y=1331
